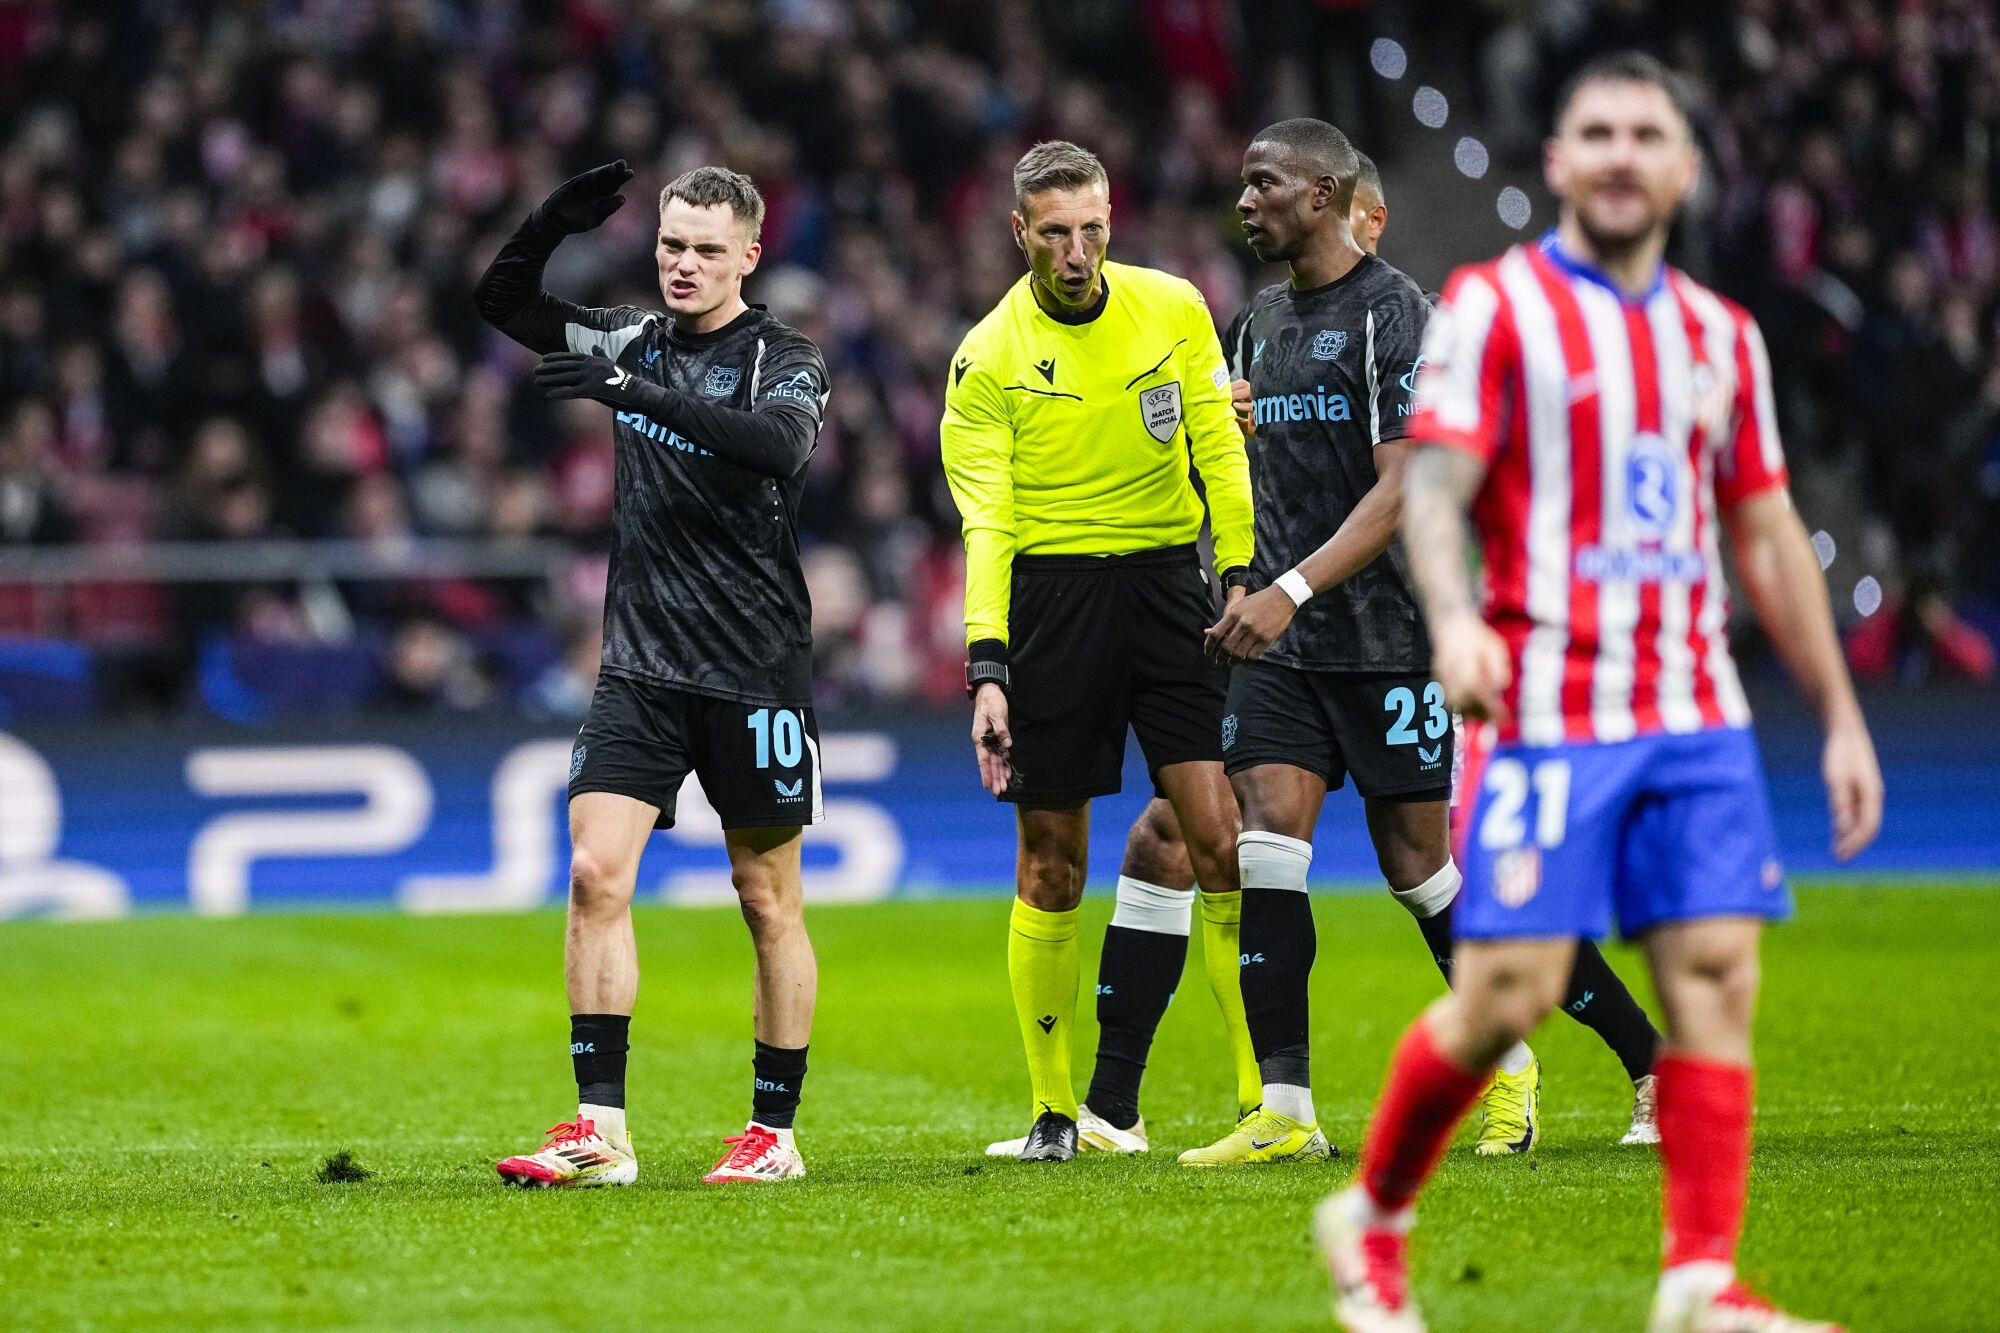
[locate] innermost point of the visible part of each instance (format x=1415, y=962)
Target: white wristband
x=1295, y=586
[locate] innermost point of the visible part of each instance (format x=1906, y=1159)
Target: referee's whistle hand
x=992, y=742
x=1249, y=625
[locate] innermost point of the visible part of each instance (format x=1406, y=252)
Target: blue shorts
x=1663, y=828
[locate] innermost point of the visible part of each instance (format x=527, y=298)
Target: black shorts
x=1390, y=731
x=1099, y=644
x=758, y=765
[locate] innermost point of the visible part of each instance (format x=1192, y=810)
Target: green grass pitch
x=171, y=1087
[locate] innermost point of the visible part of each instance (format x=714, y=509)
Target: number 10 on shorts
x=1507, y=785
x=780, y=734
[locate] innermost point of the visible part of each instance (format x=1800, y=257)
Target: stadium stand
x=237, y=243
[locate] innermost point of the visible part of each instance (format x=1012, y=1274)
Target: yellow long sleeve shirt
x=1075, y=439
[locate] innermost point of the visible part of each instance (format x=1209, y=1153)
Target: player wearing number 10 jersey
x=1602, y=415
x=707, y=638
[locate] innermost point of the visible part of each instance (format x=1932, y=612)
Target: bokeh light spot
x=1470, y=155
x=1430, y=107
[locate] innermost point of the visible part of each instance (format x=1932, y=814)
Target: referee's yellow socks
x=1041, y=965
x=1221, y=954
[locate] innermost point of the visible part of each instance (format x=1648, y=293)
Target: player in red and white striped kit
x=1605, y=419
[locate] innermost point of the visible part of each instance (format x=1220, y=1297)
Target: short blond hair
x=719, y=185
x=1056, y=164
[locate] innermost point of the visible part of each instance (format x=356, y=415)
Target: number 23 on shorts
x=1402, y=702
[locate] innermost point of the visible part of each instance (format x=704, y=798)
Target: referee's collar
x=1551, y=246
x=1081, y=316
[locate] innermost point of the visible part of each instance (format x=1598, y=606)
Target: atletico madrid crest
x=1517, y=875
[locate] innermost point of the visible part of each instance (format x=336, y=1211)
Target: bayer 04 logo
x=1652, y=486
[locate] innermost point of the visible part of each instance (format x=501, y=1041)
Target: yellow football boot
x=1510, y=1112
x=1262, y=1138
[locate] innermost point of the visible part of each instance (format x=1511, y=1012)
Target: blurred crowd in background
x=238, y=240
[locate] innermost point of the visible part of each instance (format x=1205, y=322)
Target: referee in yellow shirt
x=1071, y=414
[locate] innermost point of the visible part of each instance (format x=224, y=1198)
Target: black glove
x=581, y=375
x=583, y=202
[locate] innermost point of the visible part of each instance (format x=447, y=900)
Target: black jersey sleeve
x=510, y=298
x=775, y=436
x=1232, y=344
x=1396, y=335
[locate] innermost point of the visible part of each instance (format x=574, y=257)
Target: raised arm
x=509, y=294
x=774, y=436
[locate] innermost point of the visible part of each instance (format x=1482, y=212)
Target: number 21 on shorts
x=1504, y=824
x=779, y=735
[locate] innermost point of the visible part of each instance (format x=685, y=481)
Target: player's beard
x=1612, y=244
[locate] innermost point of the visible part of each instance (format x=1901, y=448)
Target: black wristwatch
x=1236, y=576
x=985, y=664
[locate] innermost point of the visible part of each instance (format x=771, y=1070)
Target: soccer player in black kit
x=1331, y=665
x=707, y=642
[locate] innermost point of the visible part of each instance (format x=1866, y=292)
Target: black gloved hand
x=581, y=375
x=583, y=202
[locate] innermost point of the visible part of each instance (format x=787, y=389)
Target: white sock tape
x=1273, y=861
x=1434, y=894
x=1149, y=907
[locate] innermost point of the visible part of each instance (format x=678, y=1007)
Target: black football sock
x=1437, y=938
x=1279, y=944
x=1430, y=903
x=1136, y=978
x=780, y=1073
x=1599, y=1000
x=597, y=1045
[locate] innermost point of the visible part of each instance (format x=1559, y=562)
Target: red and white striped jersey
x=1612, y=428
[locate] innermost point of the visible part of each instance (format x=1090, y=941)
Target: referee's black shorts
x=1098, y=644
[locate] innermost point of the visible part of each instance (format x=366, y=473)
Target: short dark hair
x=1628, y=67
x=719, y=185
x=1322, y=150
x=1056, y=164
x=1368, y=180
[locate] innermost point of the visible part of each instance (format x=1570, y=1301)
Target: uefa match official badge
x=1160, y=409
